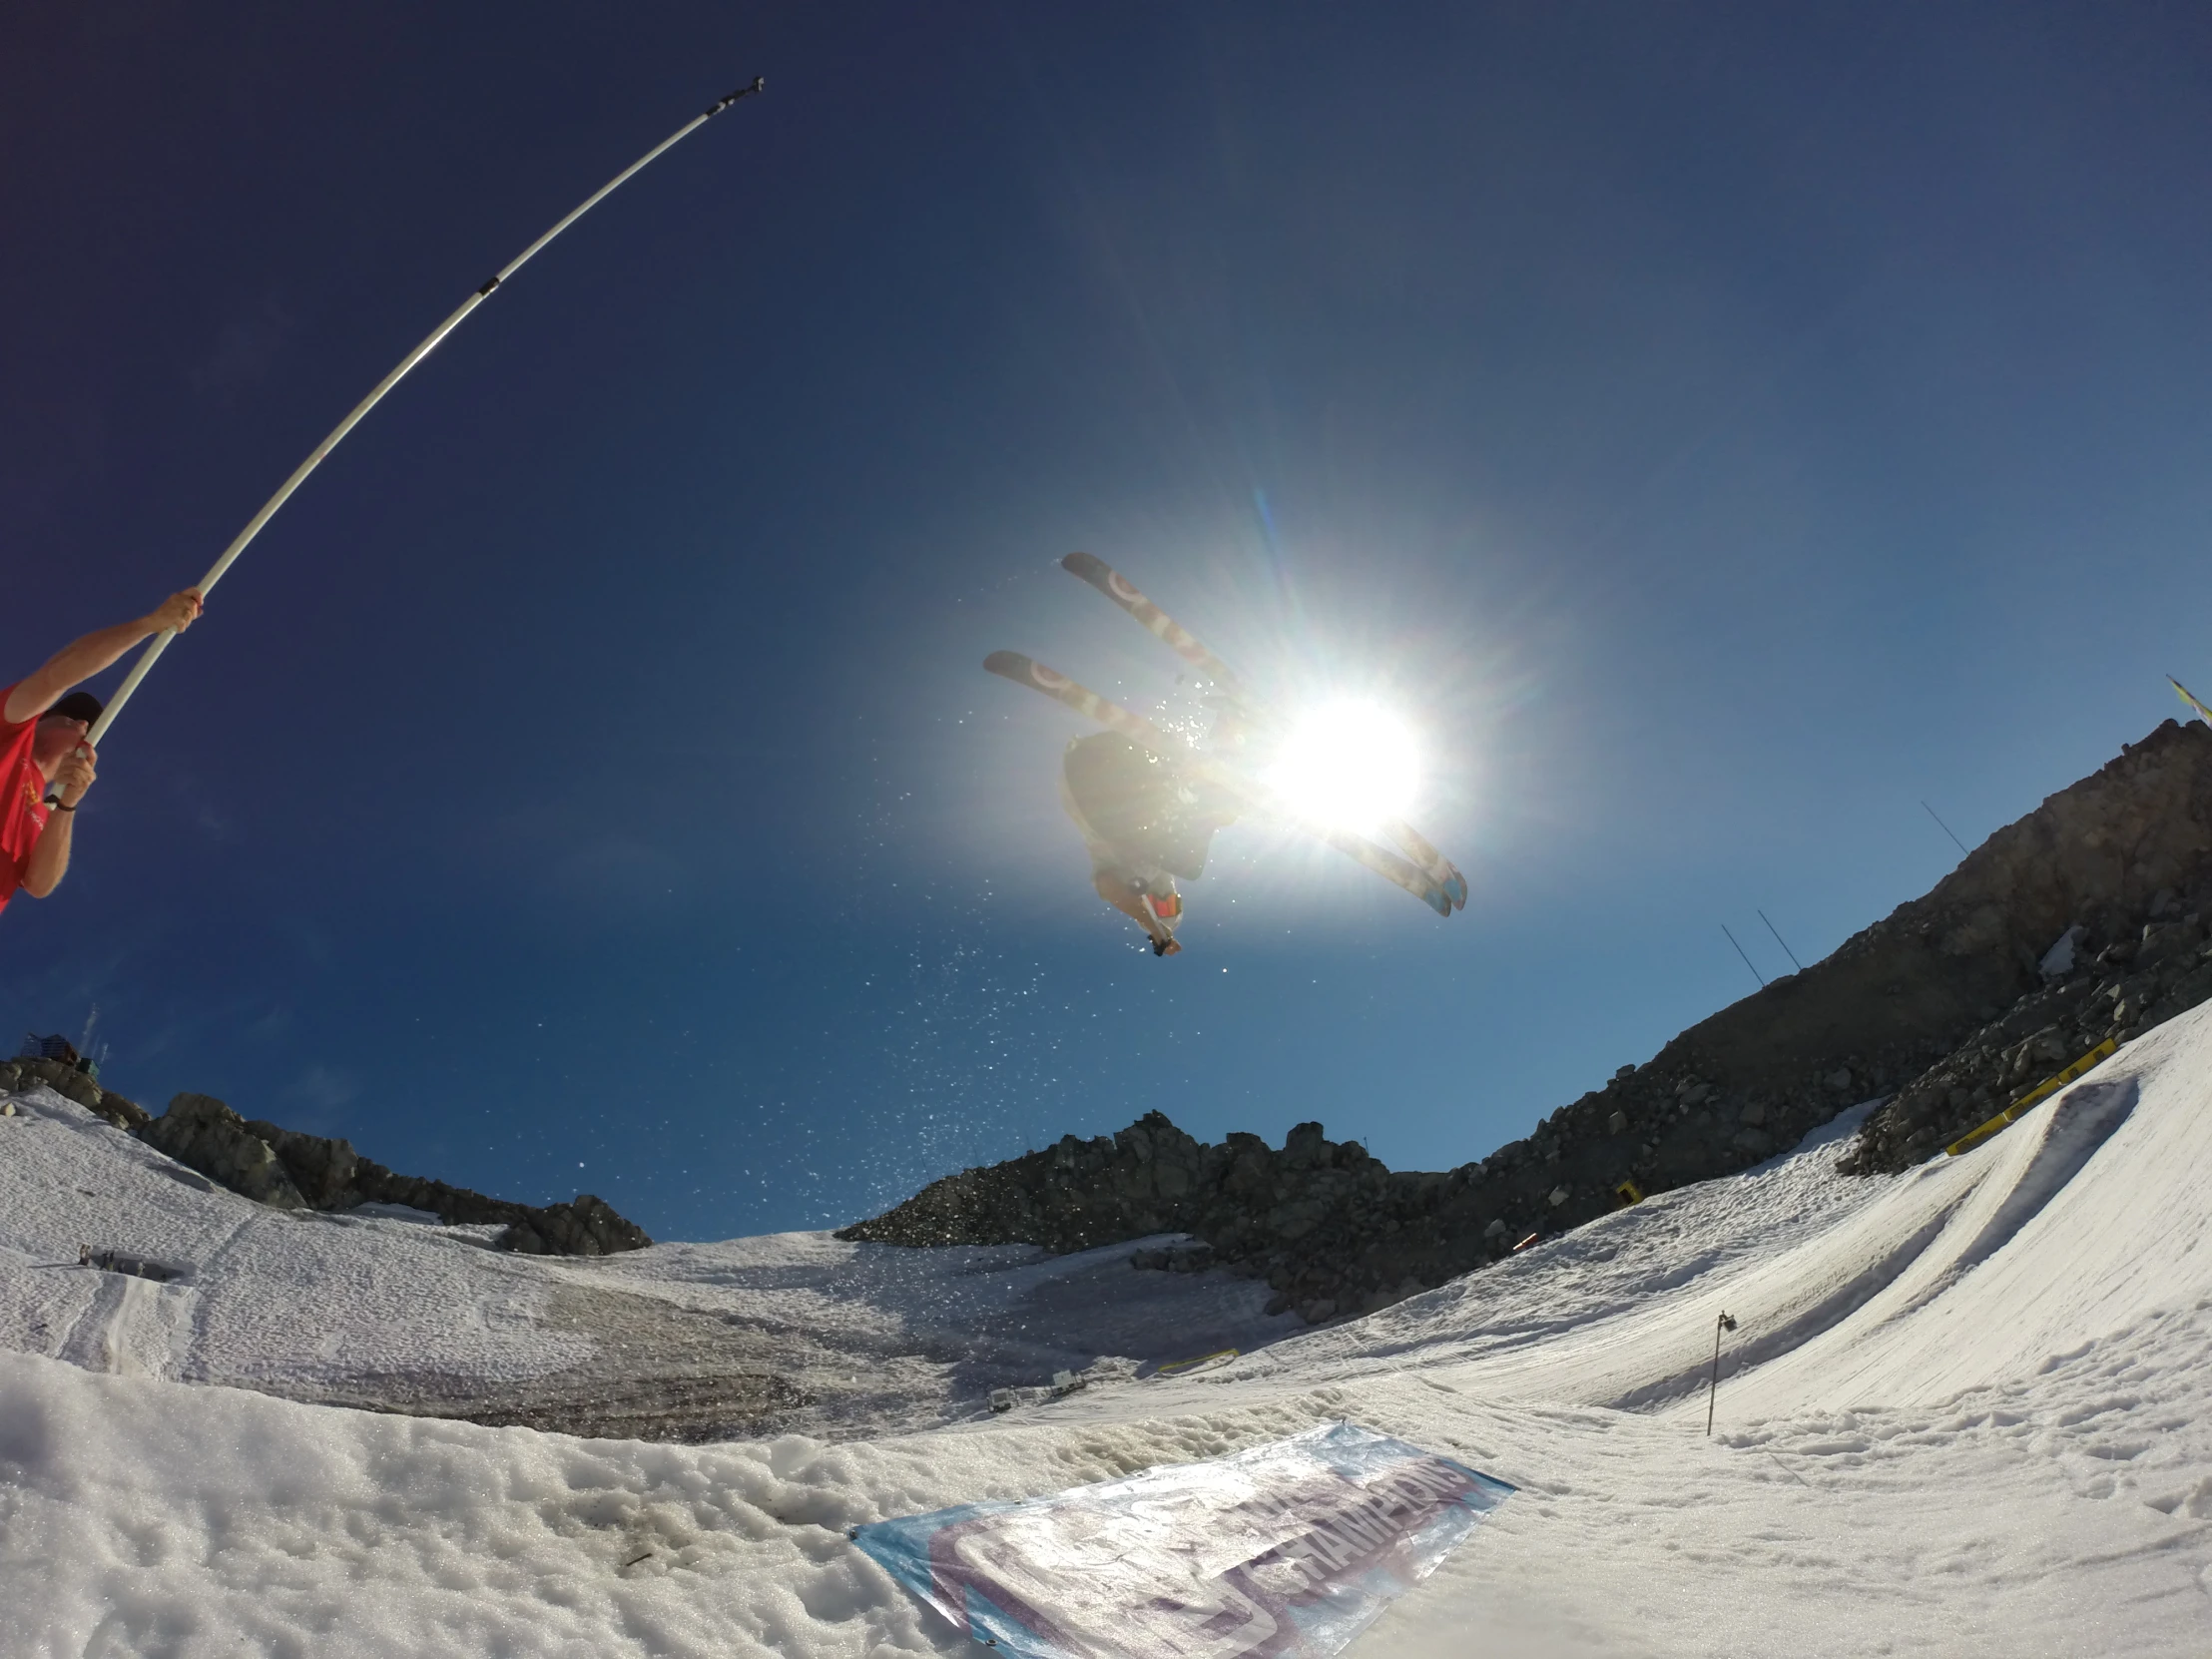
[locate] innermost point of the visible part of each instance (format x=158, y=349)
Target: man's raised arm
x=82, y=658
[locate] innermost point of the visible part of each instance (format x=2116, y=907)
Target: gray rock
x=202, y=1134
x=71, y=1083
x=587, y=1227
x=127, y=1115
x=292, y=1171
x=321, y=1170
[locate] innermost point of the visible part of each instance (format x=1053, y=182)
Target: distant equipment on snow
x=56, y=1048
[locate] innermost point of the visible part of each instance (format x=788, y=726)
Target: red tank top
x=22, y=811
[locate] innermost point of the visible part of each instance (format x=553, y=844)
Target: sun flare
x=1350, y=765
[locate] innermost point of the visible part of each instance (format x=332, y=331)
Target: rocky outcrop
x=324, y=1171
x=72, y=1083
x=2119, y=867
x=586, y=1226
x=201, y=1133
x=1950, y=1004
x=291, y=1171
x=2122, y=991
x=1331, y=1228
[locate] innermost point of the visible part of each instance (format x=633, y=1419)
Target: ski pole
x=1711, y=1391
x=160, y=642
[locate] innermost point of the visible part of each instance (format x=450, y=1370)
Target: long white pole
x=160, y=642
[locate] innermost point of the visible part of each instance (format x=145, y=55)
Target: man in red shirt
x=42, y=746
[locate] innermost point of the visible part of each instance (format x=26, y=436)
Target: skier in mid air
x=1143, y=826
x=1148, y=802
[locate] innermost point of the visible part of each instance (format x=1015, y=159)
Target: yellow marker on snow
x=1176, y=1368
x=2047, y=1087
x=1628, y=1193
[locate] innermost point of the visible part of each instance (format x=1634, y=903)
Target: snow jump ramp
x=2090, y=1213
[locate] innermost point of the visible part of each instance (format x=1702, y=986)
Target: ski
x=1161, y=627
x=2189, y=698
x=1026, y=671
x=1090, y=568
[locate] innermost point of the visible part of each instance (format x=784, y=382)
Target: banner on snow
x=1288, y=1550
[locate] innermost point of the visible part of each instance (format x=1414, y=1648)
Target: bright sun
x=1351, y=765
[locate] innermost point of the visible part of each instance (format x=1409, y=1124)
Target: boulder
x=202, y=1134
x=321, y=1170
x=587, y=1227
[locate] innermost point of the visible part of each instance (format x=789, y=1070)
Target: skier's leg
x=1166, y=910
x=1128, y=895
x=1125, y=898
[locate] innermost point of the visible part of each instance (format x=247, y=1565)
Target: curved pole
x=160, y=642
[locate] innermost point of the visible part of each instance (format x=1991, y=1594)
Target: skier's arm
x=49, y=860
x=82, y=658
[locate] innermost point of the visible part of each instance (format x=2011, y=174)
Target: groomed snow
x=1966, y=1412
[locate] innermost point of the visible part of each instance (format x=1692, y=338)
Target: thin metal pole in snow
x=299, y=475
x=1713, y=1388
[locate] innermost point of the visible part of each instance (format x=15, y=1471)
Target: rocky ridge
x=1950, y=1005
x=2120, y=992
x=291, y=1171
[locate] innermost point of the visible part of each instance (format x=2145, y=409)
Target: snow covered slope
x=1967, y=1410
x=681, y=1340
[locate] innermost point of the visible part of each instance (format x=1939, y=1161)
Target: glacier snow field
x=1966, y=1410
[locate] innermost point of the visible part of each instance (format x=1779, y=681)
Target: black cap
x=75, y=706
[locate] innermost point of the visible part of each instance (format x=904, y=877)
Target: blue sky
x=1719, y=430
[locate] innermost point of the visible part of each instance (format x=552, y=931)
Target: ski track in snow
x=1967, y=1410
